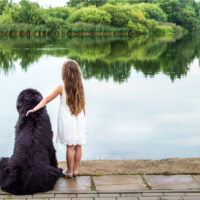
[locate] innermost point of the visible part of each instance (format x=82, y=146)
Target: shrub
x=86, y=27
x=152, y=11
x=90, y=15
x=27, y=12
x=163, y=29
x=137, y=28
x=119, y=17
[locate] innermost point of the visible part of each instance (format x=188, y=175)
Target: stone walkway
x=121, y=187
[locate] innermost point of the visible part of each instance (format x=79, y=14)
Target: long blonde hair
x=72, y=78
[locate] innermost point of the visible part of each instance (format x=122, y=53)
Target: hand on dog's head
x=27, y=100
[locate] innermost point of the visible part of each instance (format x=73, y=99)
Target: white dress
x=71, y=129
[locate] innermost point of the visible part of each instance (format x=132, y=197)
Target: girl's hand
x=30, y=111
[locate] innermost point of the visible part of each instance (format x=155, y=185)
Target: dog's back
x=33, y=166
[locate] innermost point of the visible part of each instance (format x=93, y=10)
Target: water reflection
x=105, y=58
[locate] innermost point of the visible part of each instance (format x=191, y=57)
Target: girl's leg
x=77, y=156
x=70, y=158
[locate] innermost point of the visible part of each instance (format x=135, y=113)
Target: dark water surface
x=142, y=94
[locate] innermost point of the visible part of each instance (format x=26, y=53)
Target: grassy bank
x=106, y=18
x=82, y=29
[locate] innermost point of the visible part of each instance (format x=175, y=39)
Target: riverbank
x=85, y=29
x=125, y=167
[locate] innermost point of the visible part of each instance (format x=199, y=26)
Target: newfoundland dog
x=33, y=166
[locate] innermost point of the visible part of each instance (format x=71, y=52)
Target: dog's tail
x=3, y=171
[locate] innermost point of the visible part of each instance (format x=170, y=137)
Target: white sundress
x=71, y=129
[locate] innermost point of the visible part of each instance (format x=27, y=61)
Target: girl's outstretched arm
x=46, y=100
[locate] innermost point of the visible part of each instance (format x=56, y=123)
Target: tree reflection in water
x=105, y=58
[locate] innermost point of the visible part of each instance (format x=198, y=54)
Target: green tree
x=59, y=12
x=152, y=11
x=5, y=18
x=27, y=12
x=3, y=4
x=181, y=13
x=90, y=15
x=86, y=3
x=119, y=16
x=55, y=24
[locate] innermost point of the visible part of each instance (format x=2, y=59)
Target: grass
x=167, y=174
x=93, y=188
x=167, y=28
x=145, y=182
x=21, y=29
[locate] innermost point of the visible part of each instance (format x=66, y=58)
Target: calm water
x=142, y=94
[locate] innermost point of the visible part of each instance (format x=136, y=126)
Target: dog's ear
x=28, y=99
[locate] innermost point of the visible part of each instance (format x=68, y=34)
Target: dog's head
x=27, y=100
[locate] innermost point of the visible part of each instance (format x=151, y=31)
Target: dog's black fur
x=33, y=166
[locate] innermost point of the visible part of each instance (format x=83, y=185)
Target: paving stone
x=65, y=195
x=172, y=182
x=10, y=196
x=127, y=198
x=63, y=198
x=174, y=194
x=149, y=198
x=17, y=198
x=171, y=198
x=82, y=198
x=191, y=198
x=105, y=198
x=110, y=195
x=79, y=183
x=149, y=194
x=119, y=182
x=43, y=195
x=41, y=198
x=87, y=195
x=193, y=194
x=196, y=177
x=131, y=194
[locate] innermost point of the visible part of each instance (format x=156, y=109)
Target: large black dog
x=33, y=166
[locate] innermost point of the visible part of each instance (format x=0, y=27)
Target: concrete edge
x=113, y=191
x=123, y=191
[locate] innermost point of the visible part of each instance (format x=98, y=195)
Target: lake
x=142, y=93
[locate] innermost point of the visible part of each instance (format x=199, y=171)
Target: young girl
x=71, y=115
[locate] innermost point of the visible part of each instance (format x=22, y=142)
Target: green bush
x=163, y=29
x=6, y=17
x=27, y=12
x=152, y=11
x=90, y=15
x=86, y=27
x=119, y=17
x=59, y=12
x=54, y=23
x=137, y=28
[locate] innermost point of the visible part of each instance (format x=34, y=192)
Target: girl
x=71, y=115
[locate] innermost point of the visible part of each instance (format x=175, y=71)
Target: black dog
x=33, y=166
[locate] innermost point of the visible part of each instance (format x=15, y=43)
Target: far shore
x=126, y=167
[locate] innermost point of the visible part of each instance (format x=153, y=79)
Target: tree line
x=105, y=17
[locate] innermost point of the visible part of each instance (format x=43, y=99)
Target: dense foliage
x=131, y=16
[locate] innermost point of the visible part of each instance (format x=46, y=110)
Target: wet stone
x=197, y=178
x=80, y=183
x=119, y=182
x=172, y=182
